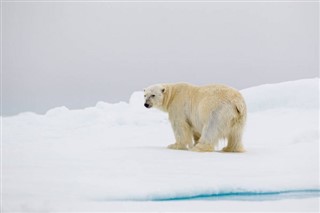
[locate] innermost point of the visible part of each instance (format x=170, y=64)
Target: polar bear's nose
x=146, y=105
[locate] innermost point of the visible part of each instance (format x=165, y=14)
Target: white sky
x=75, y=54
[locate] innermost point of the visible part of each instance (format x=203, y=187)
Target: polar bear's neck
x=167, y=99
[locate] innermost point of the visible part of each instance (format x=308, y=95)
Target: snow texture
x=116, y=152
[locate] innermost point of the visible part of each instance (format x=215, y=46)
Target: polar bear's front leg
x=183, y=135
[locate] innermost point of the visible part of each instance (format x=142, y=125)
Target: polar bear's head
x=153, y=96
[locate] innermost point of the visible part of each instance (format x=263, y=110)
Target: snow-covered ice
x=110, y=155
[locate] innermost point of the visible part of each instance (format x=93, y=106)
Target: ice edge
x=295, y=193
x=240, y=195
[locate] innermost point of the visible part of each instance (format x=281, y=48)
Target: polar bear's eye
x=152, y=96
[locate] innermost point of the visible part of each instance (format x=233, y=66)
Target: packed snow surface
x=117, y=152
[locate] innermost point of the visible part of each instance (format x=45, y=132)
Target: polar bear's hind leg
x=210, y=135
x=234, y=140
x=235, y=134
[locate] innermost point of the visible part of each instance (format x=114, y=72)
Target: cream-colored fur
x=200, y=116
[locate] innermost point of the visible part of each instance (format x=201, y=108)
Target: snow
x=114, y=156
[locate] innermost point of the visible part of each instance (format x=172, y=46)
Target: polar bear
x=201, y=115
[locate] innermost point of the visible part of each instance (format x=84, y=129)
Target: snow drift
x=117, y=152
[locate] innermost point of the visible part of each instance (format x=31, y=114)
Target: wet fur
x=201, y=116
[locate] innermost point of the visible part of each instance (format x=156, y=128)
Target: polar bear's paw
x=203, y=147
x=233, y=149
x=177, y=146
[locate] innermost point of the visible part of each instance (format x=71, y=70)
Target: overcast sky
x=75, y=54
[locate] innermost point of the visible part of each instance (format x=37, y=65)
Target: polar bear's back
x=214, y=93
x=206, y=99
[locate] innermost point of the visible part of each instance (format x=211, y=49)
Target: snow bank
x=301, y=94
x=117, y=152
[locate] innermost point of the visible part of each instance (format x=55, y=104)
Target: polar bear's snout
x=147, y=105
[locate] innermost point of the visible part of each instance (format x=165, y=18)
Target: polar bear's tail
x=241, y=108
